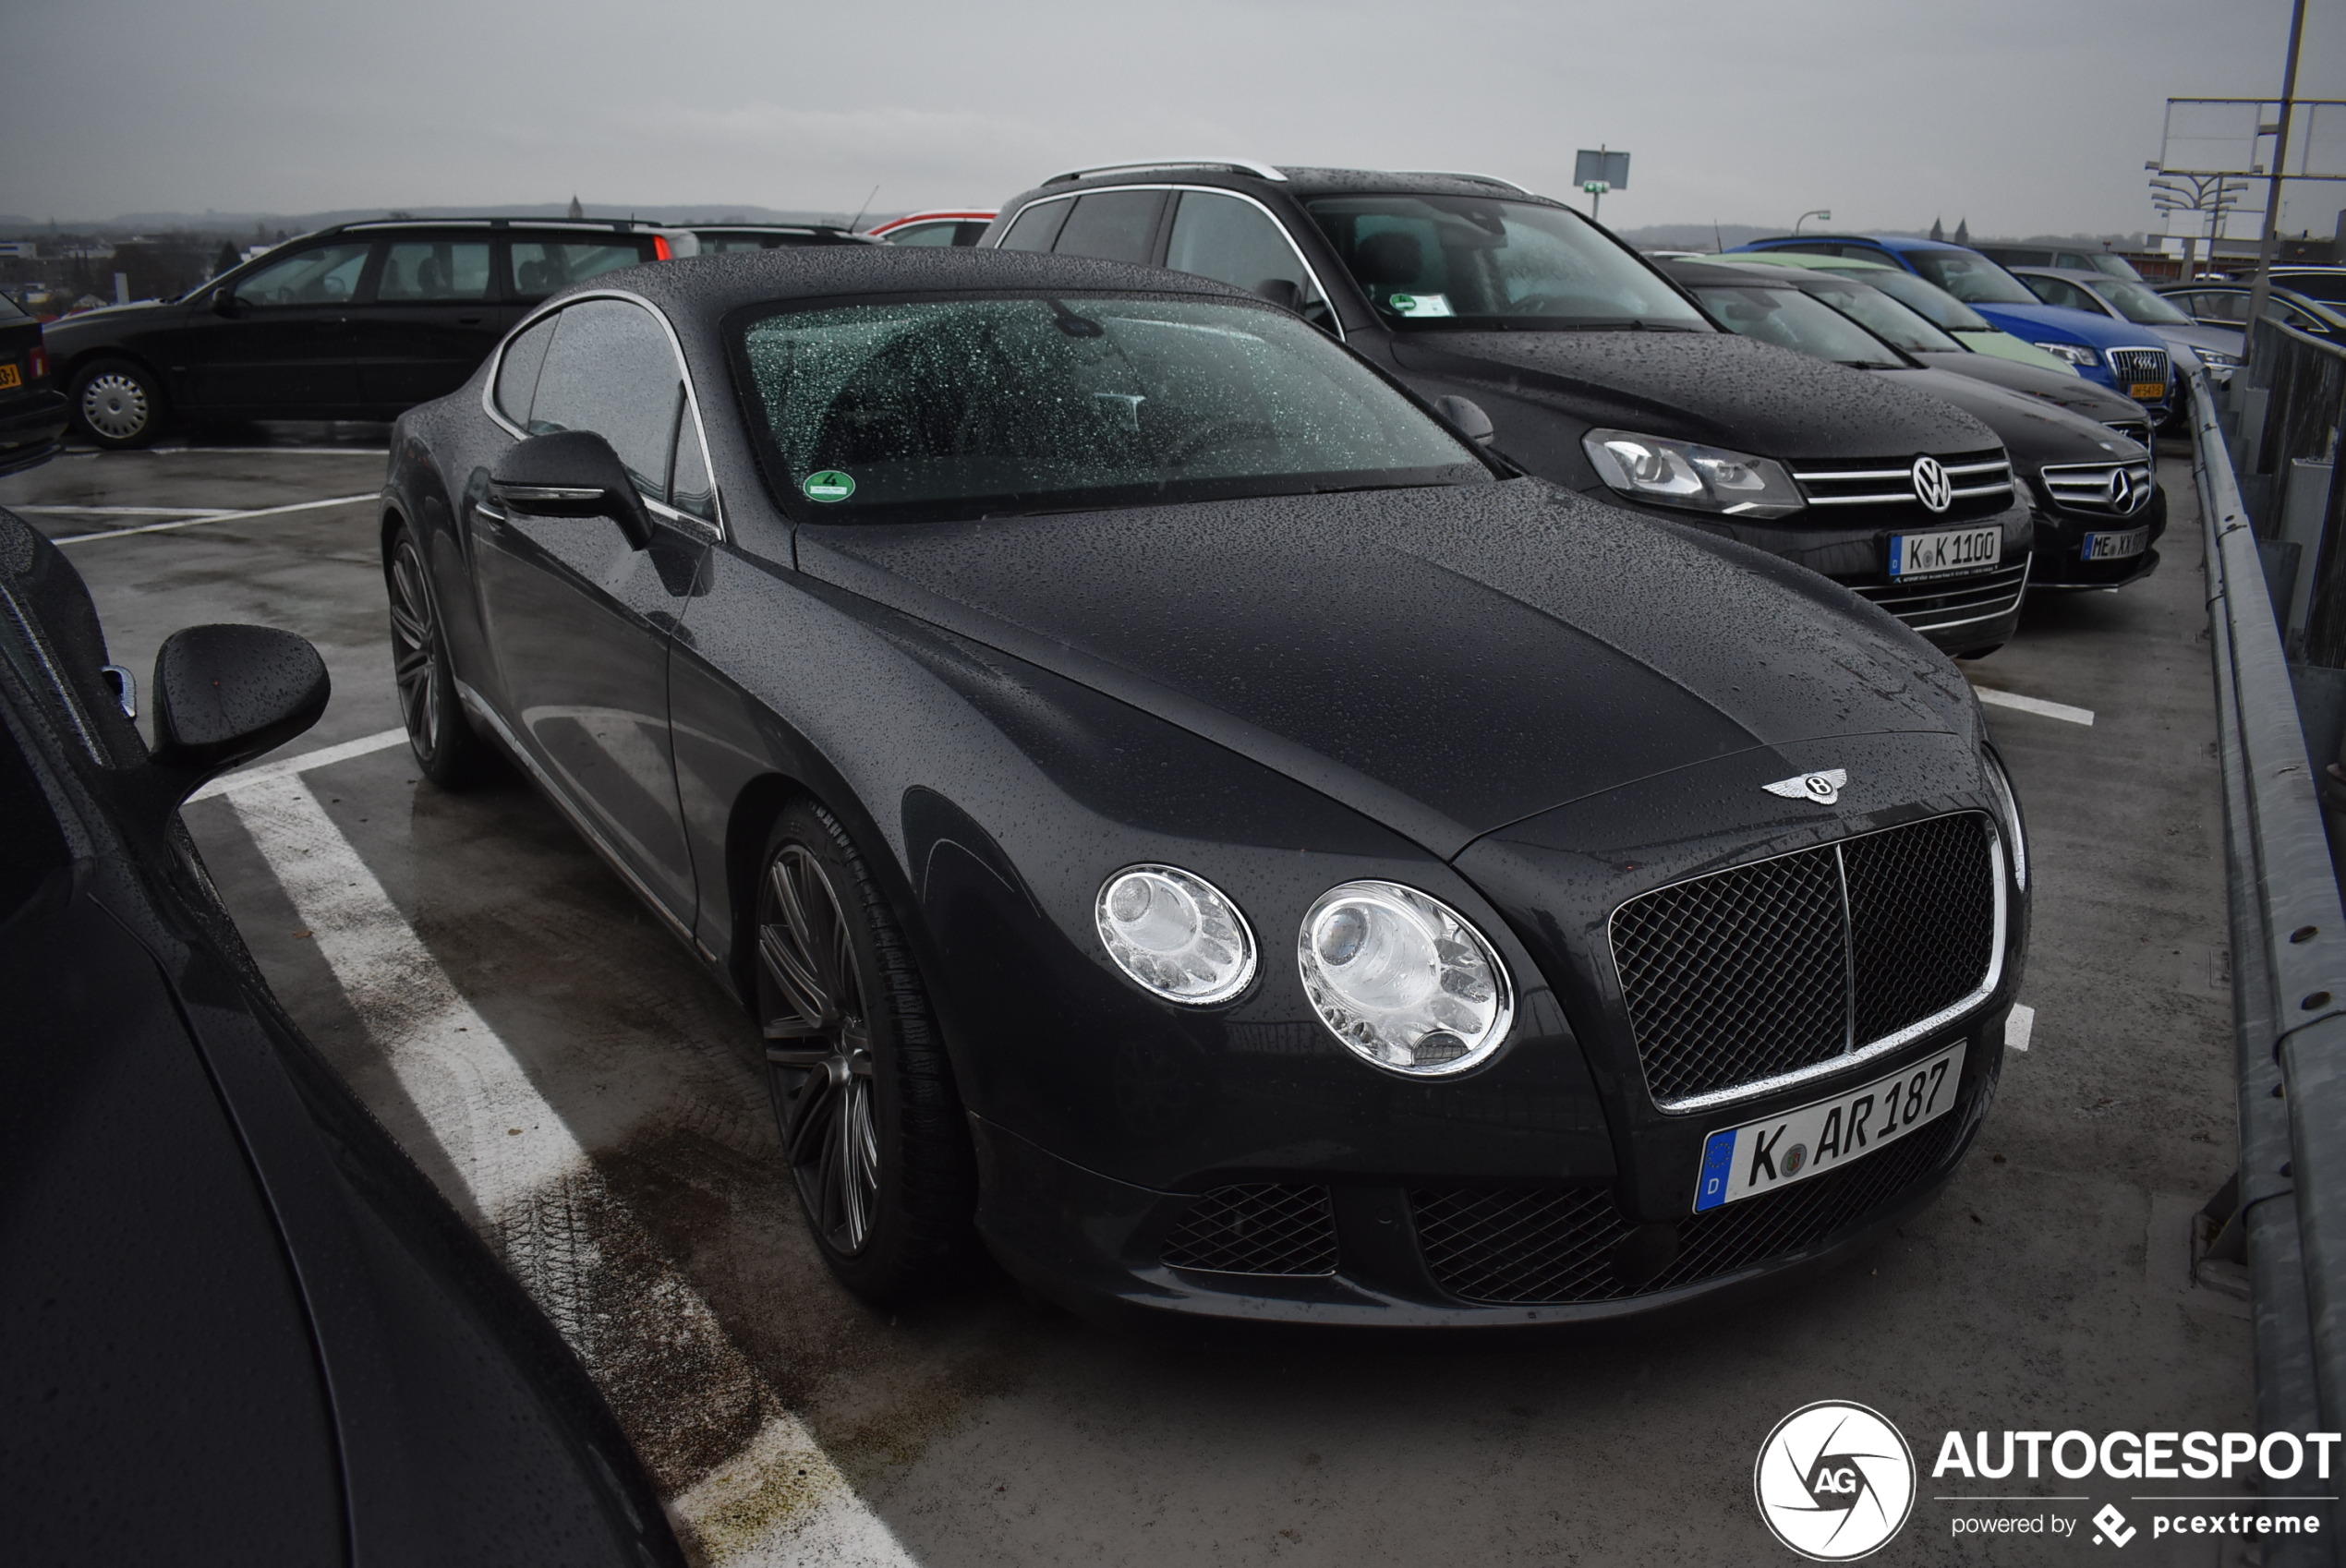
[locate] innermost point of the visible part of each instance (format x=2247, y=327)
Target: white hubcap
x=115, y=405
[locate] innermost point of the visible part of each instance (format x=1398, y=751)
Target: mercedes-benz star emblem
x=1931, y=488
x=1825, y=788
x=2122, y=490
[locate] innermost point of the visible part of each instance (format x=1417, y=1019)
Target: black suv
x=356, y=322
x=1596, y=371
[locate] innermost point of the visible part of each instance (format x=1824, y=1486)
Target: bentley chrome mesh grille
x=1740, y=981
x=1525, y=1245
x=1260, y=1228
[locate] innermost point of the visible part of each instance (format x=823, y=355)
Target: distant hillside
x=16, y=226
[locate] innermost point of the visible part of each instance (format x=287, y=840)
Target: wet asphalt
x=2047, y=1289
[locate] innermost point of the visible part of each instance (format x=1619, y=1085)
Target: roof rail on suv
x=1477, y=179
x=619, y=226
x=1237, y=165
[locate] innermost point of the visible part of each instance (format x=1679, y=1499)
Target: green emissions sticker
x=1420, y=305
x=829, y=485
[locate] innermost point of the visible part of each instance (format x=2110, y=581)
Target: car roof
x=936, y=215
x=727, y=283
x=2074, y=274
x=1695, y=270
x=1887, y=242
x=1243, y=173
x=1808, y=261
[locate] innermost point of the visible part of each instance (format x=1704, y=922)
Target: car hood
x=107, y=318
x=2034, y=432
x=2065, y=388
x=2224, y=340
x=2064, y=324
x=1447, y=660
x=1716, y=388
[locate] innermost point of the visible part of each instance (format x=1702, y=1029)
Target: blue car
x=2116, y=353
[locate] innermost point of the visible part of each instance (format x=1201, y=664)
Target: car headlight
x=2013, y=835
x=2077, y=354
x=1706, y=478
x=2214, y=360
x=1402, y=979
x=1175, y=933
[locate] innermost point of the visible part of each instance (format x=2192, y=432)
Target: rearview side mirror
x=224, y=695
x=1467, y=417
x=1283, y=293
x=571, y=473
x=223, y=301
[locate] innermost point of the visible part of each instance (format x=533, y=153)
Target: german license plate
x=2146, y=391
x=1743, y=1162
x=9, y=375
x=1955, y=550
x=2110, y=547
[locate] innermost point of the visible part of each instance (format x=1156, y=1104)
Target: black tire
x=118, y=404
x=451, y=754
x=862, y=1094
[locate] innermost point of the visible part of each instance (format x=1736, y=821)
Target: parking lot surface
x=561, y=1067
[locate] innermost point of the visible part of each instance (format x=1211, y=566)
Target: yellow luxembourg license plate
x=2147, y=391
x=9, y=376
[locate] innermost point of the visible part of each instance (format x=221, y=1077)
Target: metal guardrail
x=2289, y=999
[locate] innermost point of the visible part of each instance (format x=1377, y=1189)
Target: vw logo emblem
x=1931, y=488
x=2122, y=496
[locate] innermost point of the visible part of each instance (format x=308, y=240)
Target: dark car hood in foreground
x=1447, y=660
x=2034, y=432
x=1711, y=387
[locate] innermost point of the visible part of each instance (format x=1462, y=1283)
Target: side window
x=435, y=269
x=1234, y=242
x=517, y=372
x=611, y=370
x=1038, y=227
x=324, y=275
x=2229, y=308
x=542, y=266
x=1114, y=225
x=941, y=235
x=692, y=490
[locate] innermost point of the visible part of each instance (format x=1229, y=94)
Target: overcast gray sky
x=2024, y=115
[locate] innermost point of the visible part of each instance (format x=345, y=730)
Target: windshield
x=2116, y=266
x=1471, y=261
x=1789, y=318
x=1897, y=325
x=962, y=407
x=1975, y=280
x=1930, y=301
x=2138, y=304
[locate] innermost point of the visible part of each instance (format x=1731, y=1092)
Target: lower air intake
x=1263, y=1228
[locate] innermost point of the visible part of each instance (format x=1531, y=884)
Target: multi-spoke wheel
x=863, y=1097
x=117, y=403
x=442, y=740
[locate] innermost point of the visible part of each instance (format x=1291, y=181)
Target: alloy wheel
x=819, y=1047
x=115, y=405
x=415, y=644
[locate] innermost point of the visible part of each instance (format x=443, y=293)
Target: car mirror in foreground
x=1283, y=293
x=571, y=473
x=224, y=695
x=1467, y=417
x=224, y=302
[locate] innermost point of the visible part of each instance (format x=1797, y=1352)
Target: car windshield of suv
x=1897, y=325
x=994, y=405
x=2138, y=304
x=1472, y=261
x=1789, y=318
x=1928, y=300
x=1975, y=280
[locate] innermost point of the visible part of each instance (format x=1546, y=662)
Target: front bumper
x=2060, y=539
x=1423, y=1253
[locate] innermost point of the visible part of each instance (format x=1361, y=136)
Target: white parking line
x=581, y=1254
x=2019, y=1024
x=2038, y=705
x=284, y=768
x=215, y=518
x=118, y=511
x=265, y=451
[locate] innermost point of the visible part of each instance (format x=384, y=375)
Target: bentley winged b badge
x=1822, y=787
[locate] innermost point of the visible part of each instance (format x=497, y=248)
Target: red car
x=939, y=227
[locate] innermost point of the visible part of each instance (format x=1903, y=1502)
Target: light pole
x=2263, y=291
x=1824, y=213
x=2215, y=194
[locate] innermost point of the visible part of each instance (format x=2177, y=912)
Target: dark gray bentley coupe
x=1185, y=817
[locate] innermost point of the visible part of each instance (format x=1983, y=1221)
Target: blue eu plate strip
x=1718, y=1162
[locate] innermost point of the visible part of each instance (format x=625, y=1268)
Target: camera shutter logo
x=1931, y=485
x=1835, y=1481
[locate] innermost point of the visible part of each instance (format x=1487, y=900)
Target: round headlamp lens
x=1175, y=933
x=1402, y=979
